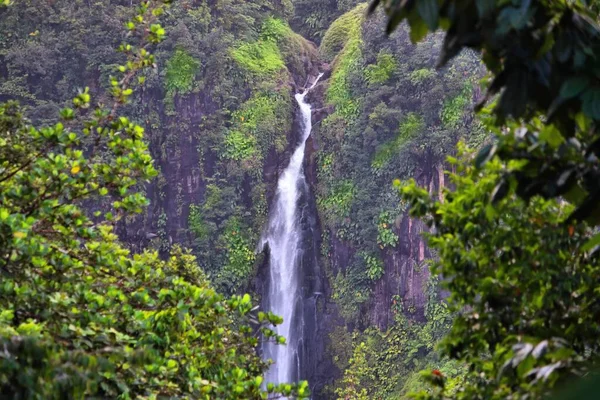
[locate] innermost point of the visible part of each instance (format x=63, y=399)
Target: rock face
x=406, y=273
x=314, y=363
x=182, y=180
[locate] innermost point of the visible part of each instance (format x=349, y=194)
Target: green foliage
x=382, y=70
x=239, y=256
x=313, y=17
x=409, y=128
x=350, y=291
x=528, y=313
x=262, y=122
x=239, y=145
x=223, y=237
x=245, y=109
x=197, y=224
x=214, y=202
x=72, y=49
x=265, y=116
x=275, y=29
x=262, y=57
x=421, y=75
x=351, y=383
x=337, y=204
x=134, y=338
x=343, y=30
x=375, y=268
x=454, y=109
x=326, y=166
x=180, y=72
x=294, y=48
x=340, y=345
x=384, y=364
x=344, y=36
x=80, y=316
x=396, y=132
x=385, y=235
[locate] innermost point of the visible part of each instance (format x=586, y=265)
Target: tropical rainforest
x=443, y=225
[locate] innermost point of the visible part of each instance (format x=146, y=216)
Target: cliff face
x=182, y=181
x=384, y=113
x=406, y=273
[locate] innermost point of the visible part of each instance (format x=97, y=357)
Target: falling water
x=284, y=237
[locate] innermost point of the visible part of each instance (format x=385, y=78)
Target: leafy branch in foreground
x=525, y=297
x=80, y=317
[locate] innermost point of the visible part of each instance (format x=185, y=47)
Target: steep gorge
x=223, y=124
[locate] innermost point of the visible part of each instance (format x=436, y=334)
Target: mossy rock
x=342, y=30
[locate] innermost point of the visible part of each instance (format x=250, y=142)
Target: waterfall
x=284, y=238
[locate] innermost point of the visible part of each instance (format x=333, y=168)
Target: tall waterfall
x=284, y=238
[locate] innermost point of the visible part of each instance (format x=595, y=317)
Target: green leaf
x=428, y=10
x=485, y=154
x=418, y=29
x=551, y=135
x=591, y=243
x=484, y=7
x=500, y=191
x=573, y=86
x=525, y=366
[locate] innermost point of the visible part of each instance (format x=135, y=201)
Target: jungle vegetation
x=99, y=296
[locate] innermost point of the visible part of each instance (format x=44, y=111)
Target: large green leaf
x=590, y=244
x=428, y=9
x=573, y=86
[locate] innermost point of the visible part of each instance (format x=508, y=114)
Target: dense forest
x=427, y=171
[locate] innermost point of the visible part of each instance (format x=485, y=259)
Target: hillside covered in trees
x=145, y=150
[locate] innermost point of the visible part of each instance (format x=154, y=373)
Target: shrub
x=375, y=268
x=421, y=75
x=408, y=129
x=342, y=30
x=239, y=146
x=240, y=257
x=265, y=116
x=453, y=111
x=261, y=57
x=275, y=29
x=180, y=72
x=385, y=235
x=382, y=70
x=337, y=204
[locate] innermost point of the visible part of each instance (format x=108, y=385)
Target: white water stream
x=284, y=238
